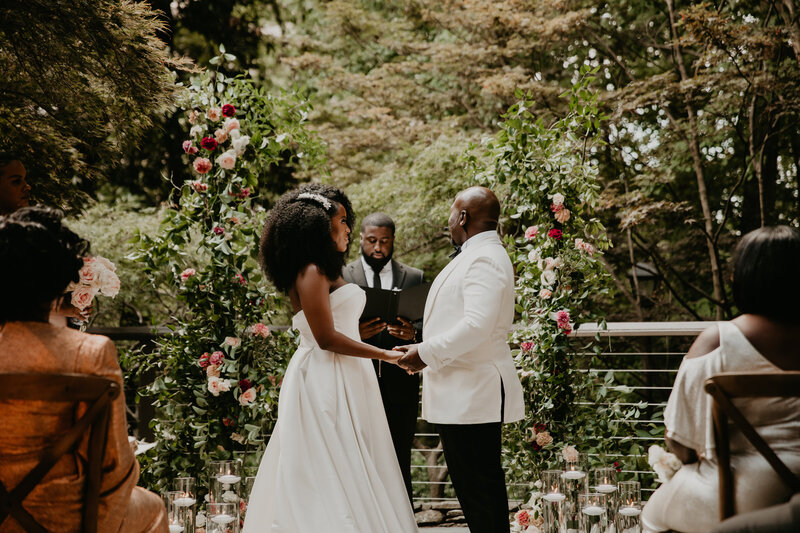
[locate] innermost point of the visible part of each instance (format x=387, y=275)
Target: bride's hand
x=392, y=356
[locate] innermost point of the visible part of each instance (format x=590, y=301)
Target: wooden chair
x=723, y=388
x=97, y=393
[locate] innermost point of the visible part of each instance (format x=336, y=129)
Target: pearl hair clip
x=315, y=197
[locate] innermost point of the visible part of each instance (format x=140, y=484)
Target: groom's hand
x=411, y=361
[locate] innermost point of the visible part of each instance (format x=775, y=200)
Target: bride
x=330, y=463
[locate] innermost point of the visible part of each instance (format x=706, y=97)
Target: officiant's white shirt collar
x=386, y=274
x=479, y=237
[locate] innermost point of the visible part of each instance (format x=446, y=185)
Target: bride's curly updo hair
x=39, y=257
x=298, y=233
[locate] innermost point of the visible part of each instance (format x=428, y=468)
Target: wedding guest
x=38, y=259
x=399, y=389
x=763, y=338
x=14, y=190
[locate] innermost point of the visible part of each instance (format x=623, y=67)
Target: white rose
x=106, y=263
x=224, y=385
x=234, y=134
x=196, y=131
x=231, y=124
x=230, y=496
x=548, y=277
x=240, y=143
x=558, y=262
x=533, y=256
x=109, y=283
x=558, y=199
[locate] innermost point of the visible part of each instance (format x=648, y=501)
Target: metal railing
x=643, y=356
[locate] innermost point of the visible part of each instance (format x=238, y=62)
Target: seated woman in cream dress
x=764, y=338
x=38, y=259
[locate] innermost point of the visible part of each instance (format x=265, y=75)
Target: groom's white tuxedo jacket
x=468, y=314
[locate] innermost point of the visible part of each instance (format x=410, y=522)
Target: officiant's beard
x=377, y=264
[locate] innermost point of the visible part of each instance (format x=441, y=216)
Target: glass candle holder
x=222, y=517
x=249, y=461
x=574, y=465
x=604, y=479
x=593, y=516
x=223, y=481
x=178, y=516
x=629, y=508
x=186, y=486
x=552, y=486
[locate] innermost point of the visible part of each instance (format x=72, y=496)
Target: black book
x=389, y=304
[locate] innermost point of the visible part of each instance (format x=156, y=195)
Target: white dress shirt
x=386, y=274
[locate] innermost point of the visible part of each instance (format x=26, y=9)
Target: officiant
x=399, y=391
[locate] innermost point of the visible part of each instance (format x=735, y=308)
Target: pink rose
x=198, y=186
x=189, y=148
x=544, y=438
x=233, y=342
x=238, y=278
x=523, y=517
x=193, y=114
x=213, y=385
x=531, y=232
x=545, y=294
x=221, y=135
x=82, y=296
x=562, y=215
x=202, y=165
x=231, y=124
x=216, y=358
x=247, y=397
x=87, y=274
x=213, y=114
x=259, y=330
x=562, y=320
x=212, y=371
x=227, y=160
x=188, y=273
x=526, y=346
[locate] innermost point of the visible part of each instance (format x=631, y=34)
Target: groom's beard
x=377, y=264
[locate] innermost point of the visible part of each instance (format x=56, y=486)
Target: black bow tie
x=456, y=251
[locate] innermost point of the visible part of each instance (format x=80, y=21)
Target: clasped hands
x=406, y=357
x=410, y=361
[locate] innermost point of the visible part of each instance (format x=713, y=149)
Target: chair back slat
x=723, y=388
x=98, y=393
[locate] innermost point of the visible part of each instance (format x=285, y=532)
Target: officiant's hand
x=403, y=331
x=411, y=361
x=369, y=328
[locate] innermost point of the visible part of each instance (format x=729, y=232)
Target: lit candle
x=229, y=479
x=593, y=510
x=630, y=511
x=605, y=488
x=574, y=474
x=185, y=501
x=554, y=497
x=222, y=519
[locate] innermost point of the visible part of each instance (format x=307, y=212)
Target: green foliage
x=218, y=373
x=82, y=81
x=552, y=189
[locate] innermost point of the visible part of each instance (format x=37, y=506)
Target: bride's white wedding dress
x=330, y=465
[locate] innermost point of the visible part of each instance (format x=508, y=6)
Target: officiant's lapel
x=357, y=273
x=398, y=275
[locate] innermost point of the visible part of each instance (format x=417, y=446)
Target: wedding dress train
x=330, y=465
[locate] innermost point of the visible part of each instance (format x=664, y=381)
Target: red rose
x=244, y=384
x=203, y=362
x=539, y=427
x=218, y=230
x=554, y=233
x=209, y=143
x=228, y=110
x=227, y=422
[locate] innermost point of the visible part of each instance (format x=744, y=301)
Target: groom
x=470, y=386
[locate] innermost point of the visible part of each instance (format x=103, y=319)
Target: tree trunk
x=702, y=191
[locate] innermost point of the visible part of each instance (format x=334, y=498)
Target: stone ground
x=446, y=517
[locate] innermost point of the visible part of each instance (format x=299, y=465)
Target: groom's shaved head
x=482, y=206
x=474, y=211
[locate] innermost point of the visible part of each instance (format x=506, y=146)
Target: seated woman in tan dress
x=764, y=338
x=38, y=259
